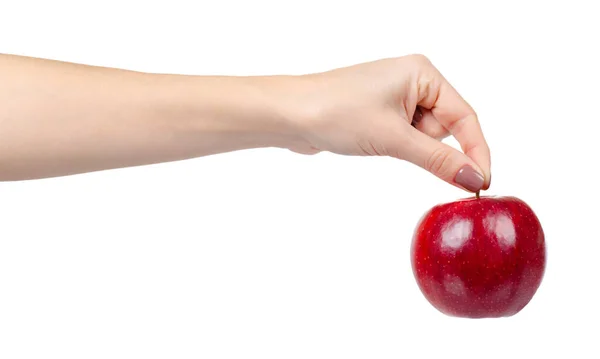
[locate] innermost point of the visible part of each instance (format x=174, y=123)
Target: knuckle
x=438, y=162
x=424, y=77
x=419, y=59
x=457, y=125
x=461, y=122
x=413, y=61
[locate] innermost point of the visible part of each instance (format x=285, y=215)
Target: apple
x=479, y=257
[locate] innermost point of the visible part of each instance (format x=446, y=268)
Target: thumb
x=442, y=161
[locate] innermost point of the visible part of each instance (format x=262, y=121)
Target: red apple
x=480, y=257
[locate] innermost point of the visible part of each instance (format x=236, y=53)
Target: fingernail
x=489, y=183
x=417, y=117
x=469, y=178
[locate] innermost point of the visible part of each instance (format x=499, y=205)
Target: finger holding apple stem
x=477, y=194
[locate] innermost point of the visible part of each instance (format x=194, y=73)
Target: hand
x=400, y=107
x=63, y=118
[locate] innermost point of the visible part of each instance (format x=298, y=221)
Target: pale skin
x=59, y=118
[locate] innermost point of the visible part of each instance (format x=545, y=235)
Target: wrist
x=224, y=113
x=212, y=114
x=291, y=101
x=252, y=111
x=281, y=103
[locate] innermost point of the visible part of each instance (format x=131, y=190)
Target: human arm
x=59, y=118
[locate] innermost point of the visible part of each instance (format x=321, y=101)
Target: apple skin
x=480, y=257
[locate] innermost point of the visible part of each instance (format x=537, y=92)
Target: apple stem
x=477, y=194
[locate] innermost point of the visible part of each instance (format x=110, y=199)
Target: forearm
x=60, y=118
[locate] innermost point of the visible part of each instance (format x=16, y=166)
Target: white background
x=271, y=254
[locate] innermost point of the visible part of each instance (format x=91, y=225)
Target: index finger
x=457, y=116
